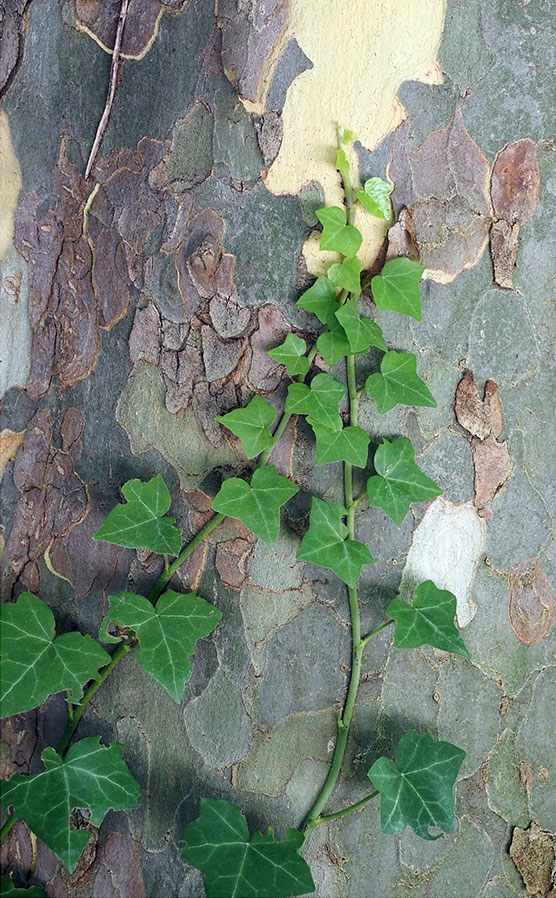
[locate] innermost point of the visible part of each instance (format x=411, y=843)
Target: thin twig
x=103, y=124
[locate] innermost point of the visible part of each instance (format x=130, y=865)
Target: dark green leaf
x=320, y=400
x=235, y=865
x=398, y=481
x=167, y=634
x=375, y=196
x=362, y=333
x=342, y=164
x=142, y=522
x=396, y=288
x=8, y=890
x=417, y=790
x=251, y=425
x=398, y=383
x=36, y=663
x=346, y=274
x=325, y=543
x=429, y=621
x=256, y=504
x=291, y=354
x=320, y=299
x=337, y=235
x=350, y=444
x=90, y=776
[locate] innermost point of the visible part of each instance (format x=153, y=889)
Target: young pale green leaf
x=375, y=197
x=347, y=275
x=347, y=136
x=256, y=504
x=291, y=354
x=320, y=400
x=337, y=235
x=398, y=481
x=428, y=621
x=142, y=522
x=417, y=790
x=320, y=299
x=325, y=543
x=342, y=164
x=398, y=383
x=235, y=865
x=350, y=444
x=251, y=425
x=90, y=776
x=9, y=890
x=362, y=333
x=396, y=288
x=35, y=662
x=167, y=634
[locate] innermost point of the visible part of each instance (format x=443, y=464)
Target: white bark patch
x=446, y=548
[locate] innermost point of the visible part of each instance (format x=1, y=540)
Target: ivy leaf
x=375, y=197
x=362, y=333
x=291, y=354
x=142, y=522
x=320, y=299
x=350, y=444
x=333, y=344
x=337, y=235
x=234, y=864
x=398, y=383
x=256, y=504
x=346, y=274
x=396, y=288
x=319, y=400
x=428, y=621
x=342, y=164
x=325, y=543
x=417, y=790
x=9, y=890
x=398, y=481
x=90, y=776
x=251, y=425
x=35, y=662
x=167, y=634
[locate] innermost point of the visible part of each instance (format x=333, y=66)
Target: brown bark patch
x=531, y=607
x=10, y=441
x=231, y=561
x=533, y=851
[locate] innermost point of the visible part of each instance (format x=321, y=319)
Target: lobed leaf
x=398, y=383
x=142, y=522
x=235, y=865
x=256, y=504
x=35, y=662
x=9, y=890
x=90, y=776
x=333, y=344
x=430, y=620
x=167, y=633
x=320, y=400
x=291, y=354
x=398, y=481
x=375, y=197
x=320, y=299
x=362, y=333
x=325, y=543
x=396, y=288
x=351, y=444
x=337, y=235
x=346, y=274
x=417, y=790
x=251, y=424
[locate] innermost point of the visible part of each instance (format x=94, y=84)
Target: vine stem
x=326, y=818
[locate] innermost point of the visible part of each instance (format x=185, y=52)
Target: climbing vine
x=416, y=787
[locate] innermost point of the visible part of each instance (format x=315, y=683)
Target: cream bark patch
x=10, y=185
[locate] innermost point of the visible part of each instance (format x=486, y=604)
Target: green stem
x=326, y=818
x=8, y=825
x=366, y=638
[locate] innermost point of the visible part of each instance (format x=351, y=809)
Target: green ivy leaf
x=362, y=333
x=320, y=299
x=396, y=288
x=325, y=543
x=291, y=354
x=256, y=504
x=35, y=662
x=167, y=634
x=320, y=400
x=235, y=865
x=142, y=522
x=90, y=776
x=342, y=164
x=346, y=274
x=337, y=235
x=398, y=383
x=351, y=444
x=251, y=425
x=417, y=790
x=398, y=481
x=8, y=890
x=428, y=621
x=375, y=197
x=333, y=344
